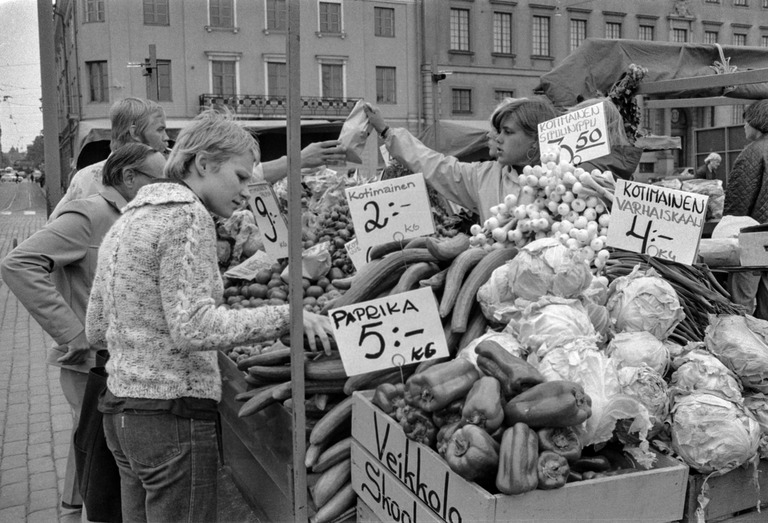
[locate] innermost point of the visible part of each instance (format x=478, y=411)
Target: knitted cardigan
x=155, y=300
x=746, y=193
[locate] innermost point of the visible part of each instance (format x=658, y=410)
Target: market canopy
x=597, y=64
x=94, y=135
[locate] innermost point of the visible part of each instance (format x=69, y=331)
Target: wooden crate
x=732, y=497
x=657, y=494
x=258, y=448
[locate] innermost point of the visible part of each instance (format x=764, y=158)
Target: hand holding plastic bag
x=354, y=133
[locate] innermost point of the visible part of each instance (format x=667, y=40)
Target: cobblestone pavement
x=35, y=419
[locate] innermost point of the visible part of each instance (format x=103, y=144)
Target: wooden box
x=753, y=244
x=258, y=449
x=731, y=497
x=657, y=494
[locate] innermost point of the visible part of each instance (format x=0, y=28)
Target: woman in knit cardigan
x=156, y=302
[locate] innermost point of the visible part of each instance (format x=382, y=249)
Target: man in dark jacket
x=746, y=194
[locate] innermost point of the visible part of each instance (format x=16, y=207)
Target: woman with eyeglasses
x=51, y=273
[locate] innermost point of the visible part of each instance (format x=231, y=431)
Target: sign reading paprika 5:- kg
x=396, y=209
x=269, y=219
x=388, y=332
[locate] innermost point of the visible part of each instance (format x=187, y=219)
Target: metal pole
x=50, y=105
x=293, y=56
x=435, y=103
x=154, y=79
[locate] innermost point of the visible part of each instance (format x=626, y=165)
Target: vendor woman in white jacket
x=478, y=186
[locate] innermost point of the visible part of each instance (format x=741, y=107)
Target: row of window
x=221, y=14
x=224, y=80
x=540, y=33
x=740, y=3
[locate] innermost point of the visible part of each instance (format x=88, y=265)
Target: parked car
x=8, y=177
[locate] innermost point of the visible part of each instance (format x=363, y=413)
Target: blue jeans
x=168, y=465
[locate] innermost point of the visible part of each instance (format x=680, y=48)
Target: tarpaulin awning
x=464, y=139
x=467, y=139
x=94, y=135
x=597, y=64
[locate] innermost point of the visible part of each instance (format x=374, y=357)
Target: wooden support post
x=293, y=56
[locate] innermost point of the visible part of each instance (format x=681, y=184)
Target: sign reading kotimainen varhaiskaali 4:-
x=657, y=221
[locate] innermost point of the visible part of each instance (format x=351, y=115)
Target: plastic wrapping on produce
x=581, y=361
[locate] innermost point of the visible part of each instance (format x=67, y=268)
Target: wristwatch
x=384, y=132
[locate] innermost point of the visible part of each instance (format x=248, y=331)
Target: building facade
x=419, y=60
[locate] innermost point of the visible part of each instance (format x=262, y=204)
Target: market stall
x=572, y=375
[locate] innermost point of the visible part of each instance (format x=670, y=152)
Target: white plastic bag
x=354, y=133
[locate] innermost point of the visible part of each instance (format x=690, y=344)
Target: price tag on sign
x=580, y=134
x=358, y=256
x=395, y=209
x=269, y=219
x=657, y=221
x=388, y=332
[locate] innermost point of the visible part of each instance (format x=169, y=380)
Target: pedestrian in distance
x=708, y=171
x=51, y=274
x=477, y=186
x=157, y=304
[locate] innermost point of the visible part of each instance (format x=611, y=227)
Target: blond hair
x=214, y=134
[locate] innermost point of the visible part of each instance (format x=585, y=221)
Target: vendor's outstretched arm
x=313, y=155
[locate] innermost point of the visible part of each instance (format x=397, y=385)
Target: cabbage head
x=546, y=266
x=731, y=339
x=643, y=301
x=649, y=388
x=701, y=371
x=712, y=434
x=634, y=349
x=552, y=321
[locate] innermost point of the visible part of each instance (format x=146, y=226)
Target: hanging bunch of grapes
x=622, y=94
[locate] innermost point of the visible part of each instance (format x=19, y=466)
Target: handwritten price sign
x=580, y=134
x=396, y=209
x=387, y=332
x=661, y=222
x=269, y=219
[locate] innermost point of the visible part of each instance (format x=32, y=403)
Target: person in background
x=156, y=303
x=133, y=120
x=746, y=194
x=52, y=270
x=708, y=171
x=624, y=156
x=478, y=186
